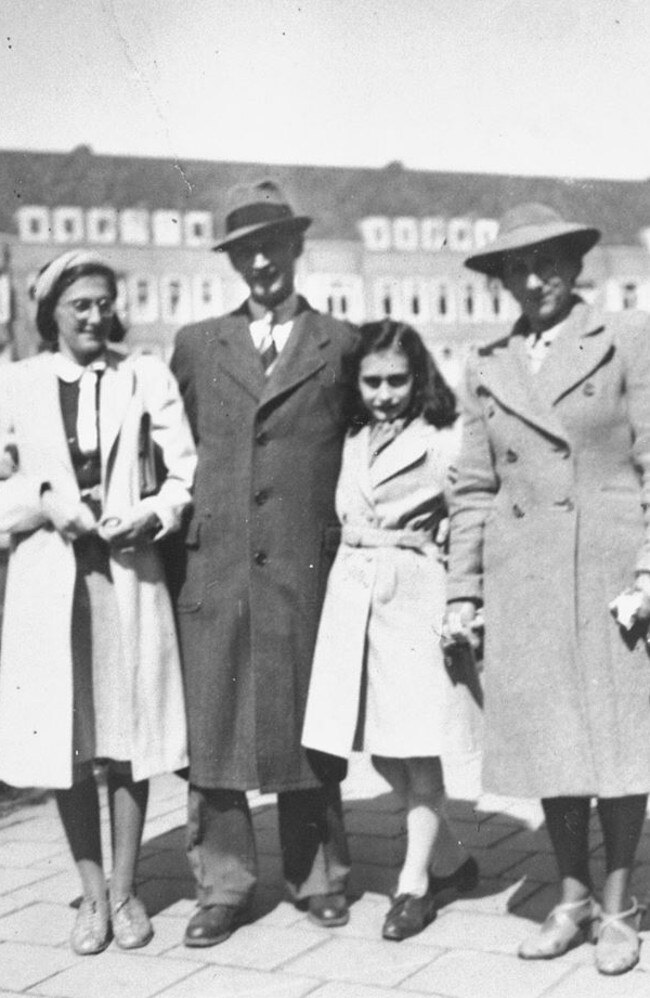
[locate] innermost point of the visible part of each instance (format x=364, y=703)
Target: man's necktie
x=267, y=348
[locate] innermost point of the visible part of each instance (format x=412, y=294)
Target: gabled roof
x=336, y=197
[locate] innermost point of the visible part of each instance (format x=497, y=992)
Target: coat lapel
x=300, y=359
x=117, y=390
x=580, y=348
x=406, y=450
x=51, y=427
x=236, y=353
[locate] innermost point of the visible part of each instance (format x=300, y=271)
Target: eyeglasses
x=82, y=307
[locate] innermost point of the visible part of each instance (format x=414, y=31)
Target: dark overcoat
x=549, y=522
x=260, y=542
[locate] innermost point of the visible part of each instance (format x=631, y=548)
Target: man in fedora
x=267, y=398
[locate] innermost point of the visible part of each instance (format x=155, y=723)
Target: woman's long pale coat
x=36, y=662
x=549, y=522
x=383, y=609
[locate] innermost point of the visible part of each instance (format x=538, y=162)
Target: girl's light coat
x=387, y=603
x=36, y=662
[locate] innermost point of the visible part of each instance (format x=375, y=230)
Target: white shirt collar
x=67, y=369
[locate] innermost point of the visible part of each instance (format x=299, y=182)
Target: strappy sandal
x=561, y=931
x=619, y=954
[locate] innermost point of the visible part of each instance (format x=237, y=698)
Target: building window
x=443, y=302
x=134, y=226
x=376, y=233
x=198, y=228
x=468, y=301
x=494, y=299
x=143, y=298
x=485, y=232
x=33, y=224
x=207, y=297
x=630, y=295
x=166, y=228
x=415, y=297
x=433, y=234
x=68, y=225
x=460, y=235
x=101, y=225
x=405, y=234
x=175, y=300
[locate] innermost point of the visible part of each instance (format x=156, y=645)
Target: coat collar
x=582, y=346
x=405, y=451
x=118, y=387
x=301, y=357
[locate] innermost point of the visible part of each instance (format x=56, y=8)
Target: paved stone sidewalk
x=468, y=952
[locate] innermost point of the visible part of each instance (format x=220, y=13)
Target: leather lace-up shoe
x=408, y=915
x=91, y=932
x=328, y=910
x=131, y=925
x=212, y=925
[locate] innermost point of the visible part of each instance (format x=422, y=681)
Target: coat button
x=261, y=496
x=589, y=388
x=518, y=511
x=262, y=438
x=260, y=558
x=511, y=456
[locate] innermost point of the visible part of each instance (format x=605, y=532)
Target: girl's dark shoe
x=464, y=879
x=409, y=915
x=328, y=910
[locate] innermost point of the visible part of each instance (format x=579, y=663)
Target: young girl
x=379, y=683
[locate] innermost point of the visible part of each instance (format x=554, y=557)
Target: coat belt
x=376, y=537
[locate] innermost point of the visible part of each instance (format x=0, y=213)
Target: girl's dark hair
x=45, y=321
x=431, y=398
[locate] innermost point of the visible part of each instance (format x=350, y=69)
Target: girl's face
x=385, y=384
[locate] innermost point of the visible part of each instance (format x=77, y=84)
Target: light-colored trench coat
x=36, y=661
x=549, y=521
x=384, y=605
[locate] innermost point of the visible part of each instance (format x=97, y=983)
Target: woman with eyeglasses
x=89, y=667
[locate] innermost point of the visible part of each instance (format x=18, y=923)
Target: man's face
x=541, y=280
x=267, y=264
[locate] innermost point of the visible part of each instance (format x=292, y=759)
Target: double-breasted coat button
x=261, y=496
x=589, y=388
x=511, y=456
x=260, y=558
x=518, y=511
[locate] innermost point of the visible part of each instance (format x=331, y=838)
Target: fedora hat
x=526, y=226
x=255, y=208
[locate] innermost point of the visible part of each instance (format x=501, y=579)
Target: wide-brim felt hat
x=256, y=208
x=527, y=226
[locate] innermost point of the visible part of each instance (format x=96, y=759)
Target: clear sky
x=559, y=87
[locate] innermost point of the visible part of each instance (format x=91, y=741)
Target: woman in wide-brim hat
x=547, y=529
x=90, y=669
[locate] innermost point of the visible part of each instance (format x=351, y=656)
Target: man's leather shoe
x=209, y=926
x=408, y=915
x=328, y=910
x=463, y=879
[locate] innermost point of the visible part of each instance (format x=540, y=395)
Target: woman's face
x=541, y=280
x=84, y=317
x=385, y=384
